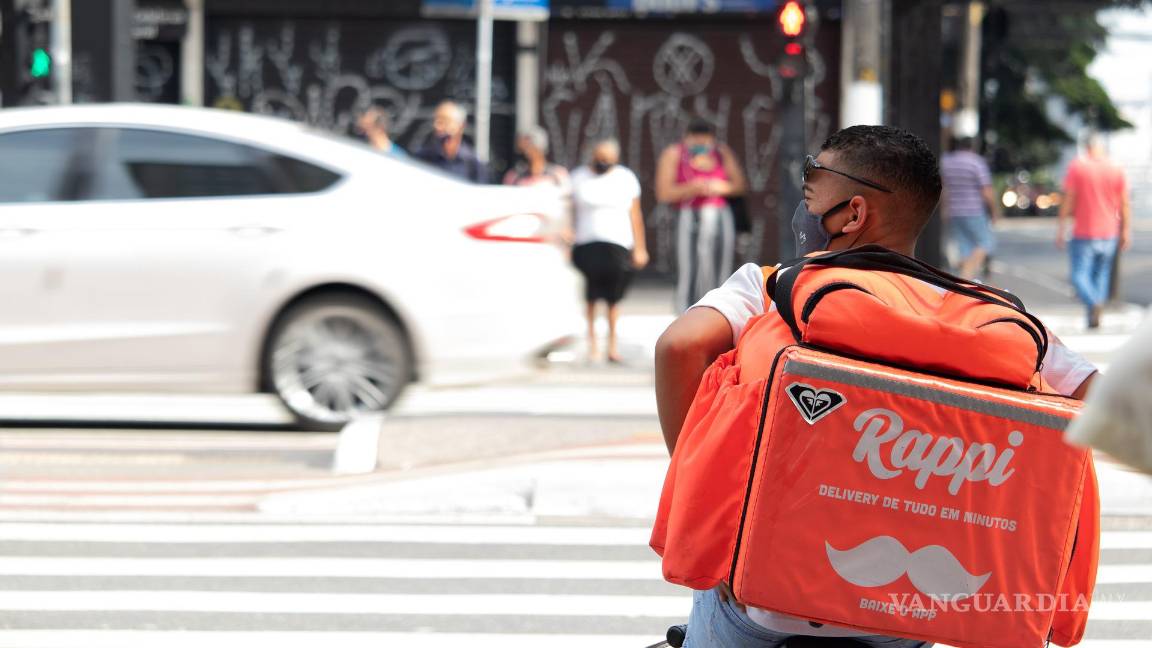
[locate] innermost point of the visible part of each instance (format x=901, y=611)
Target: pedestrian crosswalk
x=225, y=582
x=253, y=580
x=200, y=540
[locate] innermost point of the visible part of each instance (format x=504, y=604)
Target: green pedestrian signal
x=41, y=63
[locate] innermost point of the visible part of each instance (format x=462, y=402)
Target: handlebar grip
x=677, y=634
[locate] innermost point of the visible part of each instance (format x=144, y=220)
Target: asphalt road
x=1028, y=263
x=113, y=538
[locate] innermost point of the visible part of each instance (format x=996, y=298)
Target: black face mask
x=601, y=167
x=809, y=228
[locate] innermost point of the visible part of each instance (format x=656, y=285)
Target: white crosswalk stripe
x=291, y=582
x=94, y=563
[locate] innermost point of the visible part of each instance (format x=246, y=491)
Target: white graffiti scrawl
x=311, y=73
x=643, y=87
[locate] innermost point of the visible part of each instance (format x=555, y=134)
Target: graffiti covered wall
x=325, y=72
x=643, y=82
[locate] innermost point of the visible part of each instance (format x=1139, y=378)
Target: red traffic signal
x=792, y=19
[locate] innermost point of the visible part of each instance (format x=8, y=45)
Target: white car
x=150, y=248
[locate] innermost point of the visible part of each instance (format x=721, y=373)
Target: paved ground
x=504, y=515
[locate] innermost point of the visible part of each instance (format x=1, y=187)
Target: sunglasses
x=810, y=163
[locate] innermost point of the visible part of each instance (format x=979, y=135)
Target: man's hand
x=1061, y=242
x=1125, y=240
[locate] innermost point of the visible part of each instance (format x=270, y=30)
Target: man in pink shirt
x=1096, y=198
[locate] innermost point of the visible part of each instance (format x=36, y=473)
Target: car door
x=179, y=242
x=42, y=172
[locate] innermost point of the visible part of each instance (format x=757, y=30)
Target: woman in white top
x=608, y=235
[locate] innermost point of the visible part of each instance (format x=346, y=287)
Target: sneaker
x=1094, y=316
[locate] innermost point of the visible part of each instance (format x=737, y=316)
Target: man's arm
x=685, y=350
x=1125, y=221
x=989, y=195
x=1064, y=216
x=1082, y=390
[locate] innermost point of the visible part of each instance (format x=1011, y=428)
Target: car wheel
x=333, y=358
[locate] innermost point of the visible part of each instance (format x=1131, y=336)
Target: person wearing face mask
x=608, y=236
x=532, y=167
x=869, y=185
x=698, y=175
x=448, y=150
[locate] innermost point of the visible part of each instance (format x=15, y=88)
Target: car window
x=143, y=163
x=302, y=177
x=38, y=165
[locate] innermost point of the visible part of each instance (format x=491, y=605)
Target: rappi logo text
x=889, y=450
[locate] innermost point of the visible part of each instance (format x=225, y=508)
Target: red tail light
x=517, y=228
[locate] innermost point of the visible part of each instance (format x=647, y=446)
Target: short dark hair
x=700, y=126
x=895, y=158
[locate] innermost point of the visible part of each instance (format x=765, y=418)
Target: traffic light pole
x=483, y=78
x=9, y=65
x=791, y=155
x=915, y=72
x=791, y=109
x=62, y=50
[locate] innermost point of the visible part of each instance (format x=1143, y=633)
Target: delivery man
x=869, y=185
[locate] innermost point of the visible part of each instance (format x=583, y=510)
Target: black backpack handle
x=781, y=284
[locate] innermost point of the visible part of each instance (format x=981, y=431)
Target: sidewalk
x=583, y=441
x=619, y=481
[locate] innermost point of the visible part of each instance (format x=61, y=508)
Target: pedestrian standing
x=374, y=124
x=697, y=175
x=970, y=205
x=1096, y=201
x=449, y=152
x=608, y=236
x=533, y=168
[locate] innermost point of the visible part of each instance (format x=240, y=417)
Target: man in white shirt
x=869, y=185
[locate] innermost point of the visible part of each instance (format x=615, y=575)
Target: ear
x=859, y=213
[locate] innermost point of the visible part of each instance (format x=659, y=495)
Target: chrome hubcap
x=336, y=363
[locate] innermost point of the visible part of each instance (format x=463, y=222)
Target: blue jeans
x=1091, y=265
x=719, y=624
x=972, y=232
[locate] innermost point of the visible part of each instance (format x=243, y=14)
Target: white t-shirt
x=741, y=298
x=603, y=205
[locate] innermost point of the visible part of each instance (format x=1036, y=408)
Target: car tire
x=332, y=358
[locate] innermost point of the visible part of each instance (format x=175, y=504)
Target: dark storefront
x=323, y=64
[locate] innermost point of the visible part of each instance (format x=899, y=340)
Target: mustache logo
x=933, y=570
x=814, y=404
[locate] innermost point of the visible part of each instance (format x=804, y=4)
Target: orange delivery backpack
x=879, y=452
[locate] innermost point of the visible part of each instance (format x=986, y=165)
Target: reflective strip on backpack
x=921, y=392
